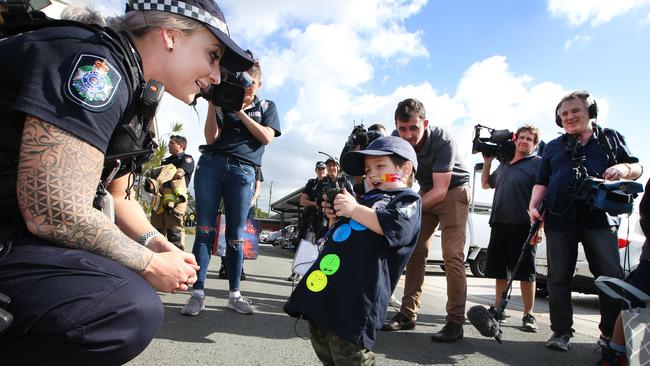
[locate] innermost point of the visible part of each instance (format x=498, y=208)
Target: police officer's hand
x=171, y=271
x=344, y=204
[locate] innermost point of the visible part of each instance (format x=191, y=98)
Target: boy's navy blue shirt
x=556, y=174
x=348, y=288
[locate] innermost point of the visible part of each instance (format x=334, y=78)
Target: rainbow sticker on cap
x=330, y=264
x=342, y=233
x=357, y=226
x=316, y=281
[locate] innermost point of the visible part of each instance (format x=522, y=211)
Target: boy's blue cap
x=353, y=161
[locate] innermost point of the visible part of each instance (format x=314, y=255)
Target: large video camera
x=229, y=94
x=500, y=144
x=359, y=137
x=614, y=197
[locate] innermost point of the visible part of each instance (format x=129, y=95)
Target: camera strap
x=605, y=144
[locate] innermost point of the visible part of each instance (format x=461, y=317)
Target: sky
x=501, y=63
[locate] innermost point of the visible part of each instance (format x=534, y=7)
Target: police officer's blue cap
x=353, y=161
x=208, y=13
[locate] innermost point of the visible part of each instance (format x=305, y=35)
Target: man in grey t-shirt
x=443, y=180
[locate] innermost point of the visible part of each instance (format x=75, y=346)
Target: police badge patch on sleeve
x=92, y=83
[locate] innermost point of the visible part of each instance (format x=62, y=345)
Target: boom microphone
x=484, y=322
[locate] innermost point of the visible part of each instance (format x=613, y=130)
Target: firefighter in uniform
x=169, y=187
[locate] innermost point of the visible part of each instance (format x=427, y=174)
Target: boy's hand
x=344, y=204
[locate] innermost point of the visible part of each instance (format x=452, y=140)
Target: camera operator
x=379, y=128
x=226, y=169
x=569, y=220
x=331, y=181
x=513, y=182
x=443, y=180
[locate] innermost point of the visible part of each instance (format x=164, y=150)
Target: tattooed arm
x=57, y=178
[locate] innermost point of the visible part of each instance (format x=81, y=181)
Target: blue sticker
x=357, y=226
x=93, y=82
x=342, y=233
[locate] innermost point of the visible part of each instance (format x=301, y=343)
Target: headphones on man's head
x=592, y=107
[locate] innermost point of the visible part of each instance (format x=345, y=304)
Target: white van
x=478, y=237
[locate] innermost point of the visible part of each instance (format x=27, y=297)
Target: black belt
x=227, y=157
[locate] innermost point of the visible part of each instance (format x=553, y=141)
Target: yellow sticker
x=316, y=281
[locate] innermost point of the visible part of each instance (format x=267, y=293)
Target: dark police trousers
x=601, y=250
x=73, y=307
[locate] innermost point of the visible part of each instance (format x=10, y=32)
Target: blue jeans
x=218, y=176
x=601, y=250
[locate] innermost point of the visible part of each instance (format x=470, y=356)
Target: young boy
x=345, y=293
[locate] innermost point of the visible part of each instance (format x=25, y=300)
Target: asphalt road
x=219, y=336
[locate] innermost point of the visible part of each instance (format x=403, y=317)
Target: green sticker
x=316, y=281
x=330, y=264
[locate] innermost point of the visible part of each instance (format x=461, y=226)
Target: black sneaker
x=500, y=317
x=528, y=323
x=560, y=341
x=451, y=332
x=399, y=322
x=223, y=273
x=242, y=277
x=609, y=357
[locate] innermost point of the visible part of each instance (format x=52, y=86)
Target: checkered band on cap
x=182, y=8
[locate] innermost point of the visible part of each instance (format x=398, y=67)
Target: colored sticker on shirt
x=316, y=281
x=330, y=264
x=188, y=159
x=342, y=233
x=93, y=82
x=357, y=226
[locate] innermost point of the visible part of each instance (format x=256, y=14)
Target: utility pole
x=270, y=192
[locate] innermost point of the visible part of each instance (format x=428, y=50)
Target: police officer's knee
x=142, y=315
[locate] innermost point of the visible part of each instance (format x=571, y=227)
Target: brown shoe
x=399, y=322
x=451, y=332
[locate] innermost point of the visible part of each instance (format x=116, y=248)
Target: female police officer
x=81, y=287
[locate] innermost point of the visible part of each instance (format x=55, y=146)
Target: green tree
x=258, y=213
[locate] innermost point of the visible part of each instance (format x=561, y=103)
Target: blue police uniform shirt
x=556, y=174
x=68, y=78
x=348, y=288
x=310, y=191
x=237, y=141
